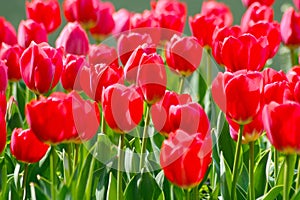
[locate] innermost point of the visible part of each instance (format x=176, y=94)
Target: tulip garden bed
x=126, y=105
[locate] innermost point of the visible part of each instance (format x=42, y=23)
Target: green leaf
x=3, y=176
x=112, y=188
x=82, y=178
x=202, y=88
x=260, y=175
x=225, y=179
x=296, y=196
x=272, y=194
x=291, y=172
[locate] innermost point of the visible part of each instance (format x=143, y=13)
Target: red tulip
x=249, y=52
x=122, y=107
x=2, y=130
x=3, y=103
x=102, y=54
x=152, y=77
x=29, y=31
x=281, y=123
x=11, y=56
x=3, y=77
x=239, y=95
x=218, y=9
x=247, y=3
x=256, y=13
x=127, y=43
x=95, y=79
x=122, y=21
x=297, y=4
x=133, y=63
x=183, y=55
x=289, y=26
x=41, y=67
x=203, y=27
x=26, y=147
x=272, y=31
x=105, y=23
x=8, y=33
x=185, y=158
x=58, y=118
x=160, y=111
x=251, y=132
x=82, y=11
x=171, y=14
x=46, y=12
x=181, y=116
x=71, y=71
x=74, y=39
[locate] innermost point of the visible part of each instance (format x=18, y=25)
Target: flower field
x=102, y=102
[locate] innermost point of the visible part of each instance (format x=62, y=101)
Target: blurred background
x=14, y=10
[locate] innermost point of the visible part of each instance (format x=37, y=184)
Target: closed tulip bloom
x=8, y=33
x=152, y=77
x=160, y=111
x=122, y=108
x=58, y=118
x=2, y=129
x=183, y=55
x=11, y=56
x=94, y=79
x=256, y=13
x=122, y=21
x=289, y=26
x=26, y=147
x=82, y=11
x=239, y=95
x=29, y=31
x=3, y=103
x=71, y=71
x=281, y=123
x=247, y=3
x=127, y=43
x=74, y=39
x=105, y=23
x=41, y=67
x=185, y=158
x=102, y=54
x=46, y=12
x=3, y=76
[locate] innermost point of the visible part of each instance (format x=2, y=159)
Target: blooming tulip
x=2, y=129
x=8, y=33
x=102, y=54
x=26, y=147
x=122, y=21
x=247, y=3
x=289, y=26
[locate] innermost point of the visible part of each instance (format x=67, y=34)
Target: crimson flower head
x=256, y=13
x=247, y=3
x=105, y=23
x=26, y=147
x=281, y=123
x=11, y=56
x=289, y=26
x=122, y=108
x=3, y=87
x=239, y=95
x=183, y=55
x=297, y=4
x=102, y=54
x=41, y=67
x=8, y=33
x=122, y=21
x=82, y=11
x=58, y=118
x=29, y=31
x=185, y=158
x=2, y=125
x=160, y=111
x=74, y=39
x=46, y=12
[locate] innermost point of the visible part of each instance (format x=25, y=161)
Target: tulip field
x=100, y=102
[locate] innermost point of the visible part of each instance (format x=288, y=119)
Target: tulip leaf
x=202, y=88
x=3, y=176
x=112, y=188
x=280, y=178
x=260, y=174
x=272, y=194
x=296, y=196
x=225, y=178
x=82, y=177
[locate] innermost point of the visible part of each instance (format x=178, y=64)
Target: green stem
x=236, y=163
x=293, y=60
x=145, y=137
x=251, y=171
x=120, y=164
x=76, y=155
x=298, y=176
x=69, y=152
x=194, y=193
x=88, y=190
x=275, y=163
x=286, y=180
x=53, y=173
x=181, y=82
x=208, y=66
x=187, y=194
x=25, y=180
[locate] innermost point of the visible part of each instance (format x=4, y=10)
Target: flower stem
x=25, y=180
x=194, y=193
x=76, y=155
x=208, y=67
x=187, y=194
x=293, y=60
x=53, y=173
x=286, y=177
x=275, y=164
x=236, y=163
x=298, y=176
x=145, y=137
x=181, y=82
x=251, y=171
x=120, y=164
